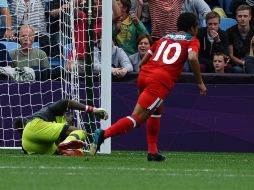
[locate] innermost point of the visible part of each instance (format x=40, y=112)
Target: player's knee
x=78, y=134
x=158, y=110
x=67, y=129
x=137, y=121
x=70, y=129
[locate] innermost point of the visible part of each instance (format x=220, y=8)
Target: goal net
x=67, y=32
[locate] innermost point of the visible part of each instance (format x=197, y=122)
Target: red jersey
x=168, y=57
x=80, y=34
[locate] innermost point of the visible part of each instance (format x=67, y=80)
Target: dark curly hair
x=126, y=3
x=185, y=21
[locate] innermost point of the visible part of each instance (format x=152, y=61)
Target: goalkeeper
x=51, y=129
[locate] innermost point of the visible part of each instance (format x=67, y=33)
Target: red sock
x=152, y=133
x=122, y=126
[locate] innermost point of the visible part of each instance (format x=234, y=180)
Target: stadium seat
x=11, y=45
x=55, y=62
x=226, y=23
x=36, y=45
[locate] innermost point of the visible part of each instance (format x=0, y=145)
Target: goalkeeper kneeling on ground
x=51, y=130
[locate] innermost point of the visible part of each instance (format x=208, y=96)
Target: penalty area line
x=144, y=171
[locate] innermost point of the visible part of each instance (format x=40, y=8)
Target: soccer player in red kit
x=160, y=69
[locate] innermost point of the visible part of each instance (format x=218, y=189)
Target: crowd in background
x=225, y=35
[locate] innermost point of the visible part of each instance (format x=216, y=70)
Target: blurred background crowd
x=32, y=33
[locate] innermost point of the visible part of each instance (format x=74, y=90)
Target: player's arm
x=195, y=67
x=146, y=58
x=116, y=11
x=234, y=58
x=149, y=53
x=98, y=112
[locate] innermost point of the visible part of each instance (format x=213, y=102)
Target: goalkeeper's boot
x=71, y=152
x=98, y=137
x=71, y=144
x=155, y=157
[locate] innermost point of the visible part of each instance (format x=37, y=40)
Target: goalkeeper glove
x=100, y=113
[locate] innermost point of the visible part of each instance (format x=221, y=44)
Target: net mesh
x=67, y=32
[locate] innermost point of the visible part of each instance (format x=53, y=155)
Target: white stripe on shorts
x=154, y=104
x=157, y=116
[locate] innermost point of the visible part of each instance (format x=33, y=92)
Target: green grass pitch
x=126, y=170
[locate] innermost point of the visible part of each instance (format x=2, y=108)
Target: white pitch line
x=113, y=168
x=168, y=172
x=180, y=159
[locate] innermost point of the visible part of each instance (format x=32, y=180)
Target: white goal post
x=106, y=81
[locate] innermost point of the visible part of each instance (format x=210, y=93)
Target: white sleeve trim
x=150, y=52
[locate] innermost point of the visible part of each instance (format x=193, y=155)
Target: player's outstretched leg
x=98, y=140
x=120, y=127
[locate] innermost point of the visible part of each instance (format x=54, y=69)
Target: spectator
x=80, y=33
x=121, y=64
x=212, y=39
x=130, y=30
x=5, y=21
x=163, y=11
x=26, y=56
x=249, y=59
x=5, y=62
x=143, y=44
x=213, y=3
x=31, y=12
x=116, y=17
x=215, y=6
x=236, y=3
x=5, y=59
x=240, y=37
x=116, y=10
x=199, y=7
x=220, y=61
x=80, y=37
x=59, y=19
x=141, y=9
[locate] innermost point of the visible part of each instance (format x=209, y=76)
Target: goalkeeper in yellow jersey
x=51, y=130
